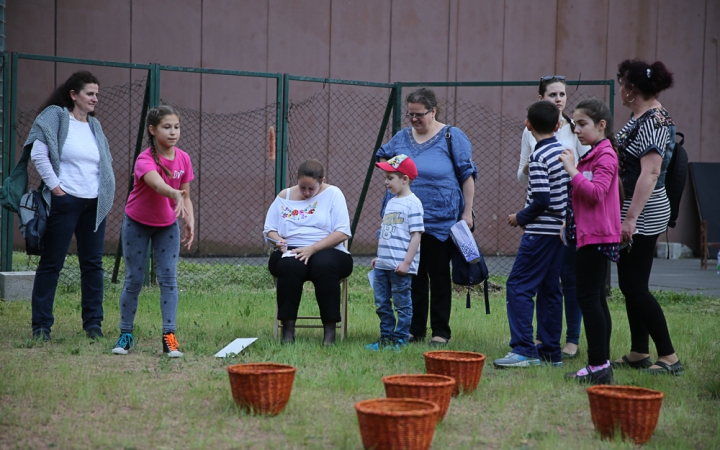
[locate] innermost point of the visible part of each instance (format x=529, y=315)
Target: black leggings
x=325, y=269
x=645, y=315
x=590, y=272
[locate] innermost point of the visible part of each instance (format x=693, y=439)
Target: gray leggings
x=166, y=243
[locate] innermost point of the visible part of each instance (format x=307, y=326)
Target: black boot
x=288, y=334
x=329, y=329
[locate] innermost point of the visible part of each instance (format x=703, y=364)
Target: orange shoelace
x=171, y=342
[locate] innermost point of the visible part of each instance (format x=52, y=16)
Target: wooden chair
x=343, y=312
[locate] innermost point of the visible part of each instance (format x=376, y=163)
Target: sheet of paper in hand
x=465, y=242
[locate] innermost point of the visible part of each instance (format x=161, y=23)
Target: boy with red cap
x=398, y=254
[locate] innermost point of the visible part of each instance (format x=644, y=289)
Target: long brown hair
x=154, y=117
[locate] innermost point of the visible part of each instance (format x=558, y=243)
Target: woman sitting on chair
x=308, y=224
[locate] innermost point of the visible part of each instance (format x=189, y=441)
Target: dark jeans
x=591, y=268
x=536, y=273
x=70, y=215
x=433, y=278
x=325, y=269
x=645, y=315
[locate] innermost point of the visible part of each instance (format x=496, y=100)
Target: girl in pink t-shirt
x=592, y=222
x=160, y=195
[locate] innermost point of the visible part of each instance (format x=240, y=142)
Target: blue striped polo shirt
x=546, y=190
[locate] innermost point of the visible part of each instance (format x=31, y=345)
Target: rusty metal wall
x=380, y=40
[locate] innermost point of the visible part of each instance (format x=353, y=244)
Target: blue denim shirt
x=438, y=185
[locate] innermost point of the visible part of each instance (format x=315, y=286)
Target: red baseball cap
x=400, y=163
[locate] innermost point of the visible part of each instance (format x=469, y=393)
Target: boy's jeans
x=387, y=285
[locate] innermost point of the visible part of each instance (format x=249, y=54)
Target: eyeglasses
x=553, y=77
x=417, y=115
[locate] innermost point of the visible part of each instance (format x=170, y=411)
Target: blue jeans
x=536, y=271
x=136, y=238
x=387, y=285
x=70, y=215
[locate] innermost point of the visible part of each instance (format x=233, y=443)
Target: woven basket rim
x=430, y=407
x=260, y=368
x=454, y=355
x=419, y=379
x=639, y=393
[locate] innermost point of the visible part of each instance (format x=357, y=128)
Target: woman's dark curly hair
x=648, y=79
x=61, y=94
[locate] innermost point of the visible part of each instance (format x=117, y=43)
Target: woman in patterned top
x=308, y=224
x=643, y=143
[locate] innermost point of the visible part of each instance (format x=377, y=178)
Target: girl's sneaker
x=171, y=346
x=124, y=344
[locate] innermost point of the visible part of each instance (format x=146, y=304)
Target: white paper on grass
x=371, y=278
x=235, y=347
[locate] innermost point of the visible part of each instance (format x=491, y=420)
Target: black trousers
x=645, y=315
x=433, y=278
x=590, y=272
x=325, y=269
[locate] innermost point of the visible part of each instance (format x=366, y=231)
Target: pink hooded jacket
x=595, y=197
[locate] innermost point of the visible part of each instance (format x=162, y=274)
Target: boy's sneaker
x=94, y=333
x=401, y=342
x=124, y=344
x=379, y=344
x=515, y=360
x=171, y=346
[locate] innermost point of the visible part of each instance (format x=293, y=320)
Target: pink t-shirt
x=147, y=206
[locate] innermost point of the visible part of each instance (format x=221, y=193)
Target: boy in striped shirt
x=398, y=254
x=536, y=270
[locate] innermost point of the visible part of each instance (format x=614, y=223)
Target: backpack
x=16, y=184
x=675, y=178
x=465, y=273
x=32, y=214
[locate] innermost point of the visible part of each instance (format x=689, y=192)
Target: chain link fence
x=338, y=124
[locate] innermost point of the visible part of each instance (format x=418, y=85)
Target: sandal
x=666, y=369
x=438, y=341
x=626, y=363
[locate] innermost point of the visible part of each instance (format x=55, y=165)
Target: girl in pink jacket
x=593, y=223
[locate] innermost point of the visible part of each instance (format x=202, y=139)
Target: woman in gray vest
x=72, y=155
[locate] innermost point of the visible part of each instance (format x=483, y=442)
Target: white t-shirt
x=304, y=222
x=403, y=216
x=566, y=137
x=79, y=162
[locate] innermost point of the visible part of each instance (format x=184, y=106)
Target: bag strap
x=448, y=140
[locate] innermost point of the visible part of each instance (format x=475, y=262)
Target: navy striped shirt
x=546, y=191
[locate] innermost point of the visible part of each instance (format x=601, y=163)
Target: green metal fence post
x=138, y=148
x=371, y=167
x=280, y=133
x=397, y=109
x=282, y=155
x=10, y=104
x=6, y=247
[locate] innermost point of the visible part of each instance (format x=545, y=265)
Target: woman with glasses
x=445, y=185
x=552, y=89
x=645, y=145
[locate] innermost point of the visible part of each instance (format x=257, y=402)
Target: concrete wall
x=381, y=40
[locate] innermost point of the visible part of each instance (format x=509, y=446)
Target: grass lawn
x=73, y=393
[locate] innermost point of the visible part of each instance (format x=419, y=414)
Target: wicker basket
x=634, y=410
x=397, y=423
x=465, y=367
x=261, y=388
x=435, y=388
